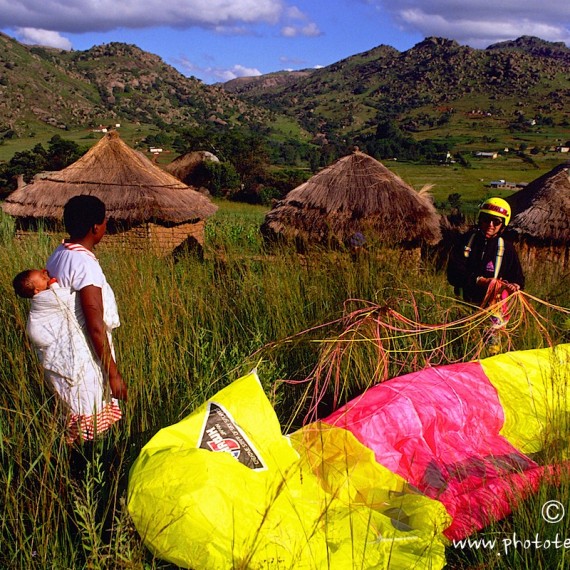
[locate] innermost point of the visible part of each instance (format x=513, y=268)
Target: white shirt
x=76, y=267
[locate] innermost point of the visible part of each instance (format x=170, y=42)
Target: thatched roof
x=133, y=189
x=189, y=167
x=541, y=210
x=355, y=194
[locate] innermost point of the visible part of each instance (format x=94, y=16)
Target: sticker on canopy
x=221, y=433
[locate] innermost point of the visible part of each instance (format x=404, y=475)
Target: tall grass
x=190, y=327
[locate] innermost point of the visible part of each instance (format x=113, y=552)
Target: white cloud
x=217, y=73
x=47, y=22
x=233, y=31
x=293, y=29
x=294, y=13
x=311, y=30
x=188, y=66
x=482, y=22
x=78, y=16
x=242, y=71
x=35, y=36
x=289, y=31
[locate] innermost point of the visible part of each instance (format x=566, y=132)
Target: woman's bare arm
x=91, y=299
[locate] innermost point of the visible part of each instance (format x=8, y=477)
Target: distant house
x=502, y=184
x=483, y=154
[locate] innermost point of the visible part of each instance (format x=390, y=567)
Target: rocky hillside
x=116, y=81
x=436, y=82
x=524, y=77
x=260, y=84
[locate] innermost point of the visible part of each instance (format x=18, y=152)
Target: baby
x=31, y=282
x=54, y=326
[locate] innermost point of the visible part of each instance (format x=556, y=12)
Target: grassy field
x=473, y=184
x=191, y=327
x=41, y=133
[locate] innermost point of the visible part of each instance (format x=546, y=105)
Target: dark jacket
x=463, y=270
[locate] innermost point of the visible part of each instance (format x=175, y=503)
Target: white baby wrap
x=56, y=328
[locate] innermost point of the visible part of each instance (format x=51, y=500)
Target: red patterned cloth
x=89, y=427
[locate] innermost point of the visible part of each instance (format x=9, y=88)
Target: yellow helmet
x=496, y=207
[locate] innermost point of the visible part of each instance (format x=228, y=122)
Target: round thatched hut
x=541, y=218
x=147, y=208
x=355, y=196
x=191, y=168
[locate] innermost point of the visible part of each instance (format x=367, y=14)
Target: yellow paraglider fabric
x=533, y=388
x=225, y=489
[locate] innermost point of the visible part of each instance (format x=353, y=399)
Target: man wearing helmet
x=484, y=255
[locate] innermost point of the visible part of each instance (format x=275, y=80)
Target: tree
x=158, y=139
x=246, y=150
x=387, y=129
x=62, y=153
x=28, y=163
x=223, y=178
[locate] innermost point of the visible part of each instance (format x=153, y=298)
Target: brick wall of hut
x=534, y=256
x=155, y=238
x=158, y=239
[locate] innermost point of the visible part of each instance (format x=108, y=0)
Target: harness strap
x=499, y=258
x=467, y=248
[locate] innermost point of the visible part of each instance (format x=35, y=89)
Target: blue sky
x=217, y=40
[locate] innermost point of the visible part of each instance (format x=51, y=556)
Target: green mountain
x=435, y=83
x=437, y=90
x=108, y=83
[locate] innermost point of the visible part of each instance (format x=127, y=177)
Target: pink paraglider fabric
x=439, y=429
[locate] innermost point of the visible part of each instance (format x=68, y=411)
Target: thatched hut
x=191, y=168
x=147, y=208
x=541, y=218
x=355, y=196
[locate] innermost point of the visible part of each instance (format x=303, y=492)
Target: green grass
x=473, y=184
x=40, y=133
x=284, y=128
x=190, y=328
